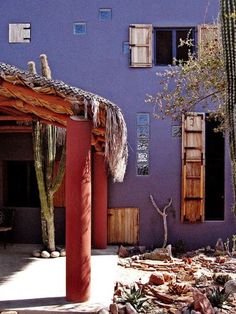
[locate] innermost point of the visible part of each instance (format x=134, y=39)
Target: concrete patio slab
x=30, y=285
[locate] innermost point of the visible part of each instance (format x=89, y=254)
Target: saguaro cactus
x=45, y=146
x=228, y=26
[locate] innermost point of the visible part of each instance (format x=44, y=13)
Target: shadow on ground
x=12, y=262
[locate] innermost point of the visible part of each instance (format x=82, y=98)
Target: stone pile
x=179, y=285
x=59, y=252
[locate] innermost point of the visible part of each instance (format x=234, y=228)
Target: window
x=80, y=28
x=19, y=33
x=167, y=44
x=105, y=14
x=202, y=170
x=142, y=144
x=20, y=184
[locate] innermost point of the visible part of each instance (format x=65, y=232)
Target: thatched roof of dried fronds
x=30, y=95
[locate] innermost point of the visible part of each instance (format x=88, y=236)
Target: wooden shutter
x=208, y=35
x=140, y=41
x=193, y=167
x=60, y=195
x=123, y=226
x=19, y=33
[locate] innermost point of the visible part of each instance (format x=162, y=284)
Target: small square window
x=105, y=14
x=19, y=33
x=80, y=28
x=125, y=47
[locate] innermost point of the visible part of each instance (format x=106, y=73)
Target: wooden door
x=123, y=226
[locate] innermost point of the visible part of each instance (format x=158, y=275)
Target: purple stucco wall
x=95, y=62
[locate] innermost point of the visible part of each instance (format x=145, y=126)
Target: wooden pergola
x=89, y=120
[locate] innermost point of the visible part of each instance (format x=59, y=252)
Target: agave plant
x=217, y=297
x=135, y=296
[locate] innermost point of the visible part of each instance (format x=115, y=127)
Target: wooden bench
x=6, y=222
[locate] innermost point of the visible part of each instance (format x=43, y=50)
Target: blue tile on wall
x=105, y=14
x=80, y=28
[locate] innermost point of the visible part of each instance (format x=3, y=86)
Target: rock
x=63, y=252
x=201, y=303
x=130, y=309
x=219, y=247
x=123, y=252
x=103, y=311
x=121, y=309
x=230, y=287
x=45, y=254
x=168, y=277
x=201, y=281
x=157, y=279
x=36, y=253
x=55, y=254
x=113, y=308
x=160, y=254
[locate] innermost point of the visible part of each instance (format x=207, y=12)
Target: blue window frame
x=80, y=28
x=167, y=44
x=105, y=14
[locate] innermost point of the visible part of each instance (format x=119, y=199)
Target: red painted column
x=99, y=217
x=78, y=210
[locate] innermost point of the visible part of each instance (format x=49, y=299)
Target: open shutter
x=208, y=34
x=140, y=41
x=193, y=167
x=59, y=199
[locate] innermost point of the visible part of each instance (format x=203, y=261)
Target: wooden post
x=99, y=202
x=78, y=211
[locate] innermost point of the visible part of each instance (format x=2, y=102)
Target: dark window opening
x=20, y=184
x=183, y=51
x=164, y=53
x=214, y=189
x=167, y=43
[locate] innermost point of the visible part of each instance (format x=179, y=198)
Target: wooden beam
x=2, y=98
x=11, y=111
x=29, y=95
x=53, y=123
x=15, y=129
x=41, y=112
x=9, y=102
x=15, y=118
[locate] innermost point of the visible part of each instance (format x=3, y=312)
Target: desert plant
x=179, y=289
x=45, y=148
x=217, y=296
x=135, y=296
x=228, y=28
x=221, y=279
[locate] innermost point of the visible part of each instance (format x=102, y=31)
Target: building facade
x=114, y=49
